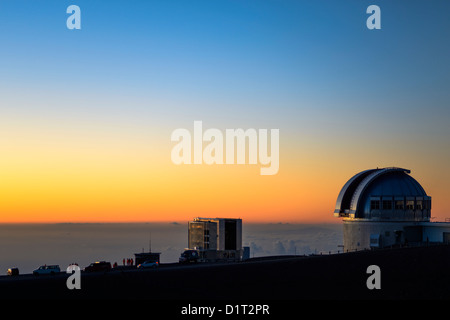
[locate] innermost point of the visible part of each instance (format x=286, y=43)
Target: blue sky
x=257, y=56
x=294, y=64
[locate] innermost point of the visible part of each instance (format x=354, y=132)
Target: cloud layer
x=27, y=246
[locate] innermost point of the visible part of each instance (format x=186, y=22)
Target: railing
x=409, y=245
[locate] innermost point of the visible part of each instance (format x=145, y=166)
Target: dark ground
x=407, y=273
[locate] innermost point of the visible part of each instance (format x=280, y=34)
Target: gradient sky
x=86, y=115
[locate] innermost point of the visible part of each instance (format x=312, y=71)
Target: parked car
x=12, y=272
x=51, y=269
x=148, y=264
x=188, y=256
x=98, y=266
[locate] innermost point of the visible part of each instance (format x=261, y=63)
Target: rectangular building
x=221, y=237
x=202, y=234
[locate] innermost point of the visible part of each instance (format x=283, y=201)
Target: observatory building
x=216, y=239
x=387, y=207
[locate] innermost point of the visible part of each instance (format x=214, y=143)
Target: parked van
x=98, y=266
x=51, y=269
x=188, y=256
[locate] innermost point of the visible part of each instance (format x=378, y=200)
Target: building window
x=410, y=205
x=399, y=205
x=375, y=205
x=419, y=205
x=387, y=205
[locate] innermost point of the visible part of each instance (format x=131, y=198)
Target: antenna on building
x=150, y=242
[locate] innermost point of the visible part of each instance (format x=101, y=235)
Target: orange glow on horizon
x=48, y=179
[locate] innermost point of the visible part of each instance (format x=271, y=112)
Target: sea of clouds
x=27, y=246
